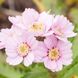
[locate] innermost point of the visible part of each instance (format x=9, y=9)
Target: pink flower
x=33, y=22
x=40, y=52
x=21, y=51
x=62, y=28
x=21, y=45
x=1, y=45
x=59, y=53
x=7, y=36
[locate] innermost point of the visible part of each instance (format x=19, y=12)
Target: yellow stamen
x=23, y=49
x=54, y=54
x=36, y=27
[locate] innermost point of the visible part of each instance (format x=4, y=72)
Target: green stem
x=53, y=74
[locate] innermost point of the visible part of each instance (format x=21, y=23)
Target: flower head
x=62, y=28
x=38, y=37
x=58, y=54
x=9, y=35
x=21, y=51
x=33, y=22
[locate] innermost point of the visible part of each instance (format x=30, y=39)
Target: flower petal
x=2, y=45
x=48, y=33
x=14, y=61
x=67, y=61
x=50, y=41
x=11, y=52
x=30, y=14
x=50, y=64
x=17, y=21
x=28, y=60
x=62, y=28
x=59, y=65
x=30, y=41
x=45, y=16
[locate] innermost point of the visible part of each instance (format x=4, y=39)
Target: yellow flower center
x=36, y=27
x=54, y=54
x=23, y=49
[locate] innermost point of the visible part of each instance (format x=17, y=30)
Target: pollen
x=54, y=54
x=37, y=27
x=23, y=49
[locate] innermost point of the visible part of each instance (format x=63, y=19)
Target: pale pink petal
x=11, y=52
x=62, y=38
x=32, y=42
x=17, y=21
x=48, y=33
x=45, y=16
x=71, y=34
x=28, y=60
x=50, y=64
x=64, y=45
x=3, y=35
x=67, y=61
x=14, y=61
x=40, y=52
x=2, y=45
x=50, y=41
x=13, y=20
x=17, y=30
x=38, y=59
x=66, y=54
x=62, y=28
x=59, y=65
x=30, y=14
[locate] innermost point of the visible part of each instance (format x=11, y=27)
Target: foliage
x=8, y=71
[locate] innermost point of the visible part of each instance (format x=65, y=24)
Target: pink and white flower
x=1, y=45
x=21, y=51
x=40, y=52
x=21, y=45
x=59, y=53
x=9, y=35
x=33, y=22
x=62, y=28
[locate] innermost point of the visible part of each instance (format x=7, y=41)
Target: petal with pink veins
x=14, y=61
x=28, y=60
x=50, y=41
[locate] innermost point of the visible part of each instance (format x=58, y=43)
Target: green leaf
x=75, y=47
x=8, y=71
x=58, y=7
x=74, y=15
x=38, y=71
x=47, y=4
x=1, y=76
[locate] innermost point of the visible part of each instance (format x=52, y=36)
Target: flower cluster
x=38, y=37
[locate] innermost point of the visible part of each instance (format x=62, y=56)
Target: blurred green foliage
x=8, y=71
x=38, y=71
